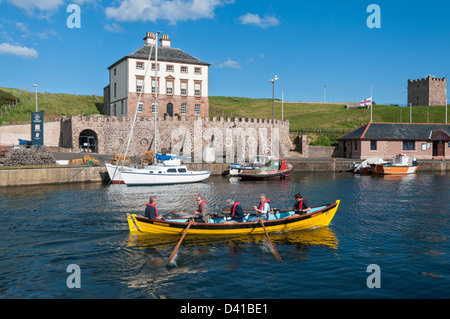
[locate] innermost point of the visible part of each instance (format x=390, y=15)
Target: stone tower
x=428, y=91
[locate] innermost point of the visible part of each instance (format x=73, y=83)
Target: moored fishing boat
x=365, y=166
x=279, y=221
x=273, y=168
x=401, y=164
x=258, y=162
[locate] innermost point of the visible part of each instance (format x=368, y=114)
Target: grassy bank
x=53, y=105
x=302, y=116
x=322, y=116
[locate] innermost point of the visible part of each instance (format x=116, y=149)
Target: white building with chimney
x=182, y=82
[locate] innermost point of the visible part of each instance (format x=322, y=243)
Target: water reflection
x=322, y=236
x=200, y=255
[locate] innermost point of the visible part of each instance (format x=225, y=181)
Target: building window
x=169, y=88
x=409, y=145
x=153, y=108
x=114, y=71
x=183, y=88
x=154, y=66
x=139, y=85
x=198, y=70
x=140, y=107
x=115, y=89
x=183, y=108
x=184, y=69
x=197, y=109
x=140, y=65
x=373, y=145
x=169, y=68
x=198, y=92
x=153, y=86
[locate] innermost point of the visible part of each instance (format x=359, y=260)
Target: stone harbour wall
x=228, y=139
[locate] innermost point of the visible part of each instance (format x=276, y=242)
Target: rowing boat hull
x=319, y=218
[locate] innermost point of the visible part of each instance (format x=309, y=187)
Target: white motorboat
x=114, y=172
x=169, y=171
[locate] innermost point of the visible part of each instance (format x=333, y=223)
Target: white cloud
x=30, y=5
x=24, y=52
x=113, y=27
x=27, y=32
x=22, y=27
x=256, y=20
x=173, y=11
x=230, y=64
x=46, y=7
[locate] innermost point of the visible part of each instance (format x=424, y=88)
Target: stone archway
x=88, y=141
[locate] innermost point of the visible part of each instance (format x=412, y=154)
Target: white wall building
x=182, y=82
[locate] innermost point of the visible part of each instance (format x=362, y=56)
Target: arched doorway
x=88, y=142
x=170, y=109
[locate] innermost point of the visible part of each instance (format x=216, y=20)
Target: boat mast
x=135, y=111
x=156, y=90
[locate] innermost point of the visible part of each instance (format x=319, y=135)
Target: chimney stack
x=165, y=41
x=150, y=38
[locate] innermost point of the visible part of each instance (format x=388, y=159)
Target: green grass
x=53, y=105
x=322, y=116
x=302, y=116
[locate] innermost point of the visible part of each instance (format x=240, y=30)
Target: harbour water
x=399, y=223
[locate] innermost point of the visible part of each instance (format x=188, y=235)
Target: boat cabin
x=403, y=160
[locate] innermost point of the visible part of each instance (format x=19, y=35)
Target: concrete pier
x=51, y=175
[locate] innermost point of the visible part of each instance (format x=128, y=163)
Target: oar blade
x=274, y=249
x=172, y=256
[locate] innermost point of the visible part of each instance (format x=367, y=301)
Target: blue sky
x=308, y=44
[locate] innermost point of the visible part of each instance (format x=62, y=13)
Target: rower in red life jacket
x=150, y=209
x=236, y=212
x=263, y=208
x=202, y=211
x=301, y=205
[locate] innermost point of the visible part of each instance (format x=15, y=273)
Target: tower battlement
x=428, y=91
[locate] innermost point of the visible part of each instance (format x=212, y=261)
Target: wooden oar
x=181, y=239
x=244, y=209
x=272, y=211
x=180, y=212
x=274, y=250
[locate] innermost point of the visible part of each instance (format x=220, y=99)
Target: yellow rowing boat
x=278, y=222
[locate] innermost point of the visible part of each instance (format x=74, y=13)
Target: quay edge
x=97, y=174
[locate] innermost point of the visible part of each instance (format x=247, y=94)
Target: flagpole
x=371, y=104
x=410, y=112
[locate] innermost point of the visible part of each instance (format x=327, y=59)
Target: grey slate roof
x=166, y=54
x=395, y=131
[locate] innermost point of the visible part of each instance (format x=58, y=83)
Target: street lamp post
x=273, y=110
x=35, y=85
